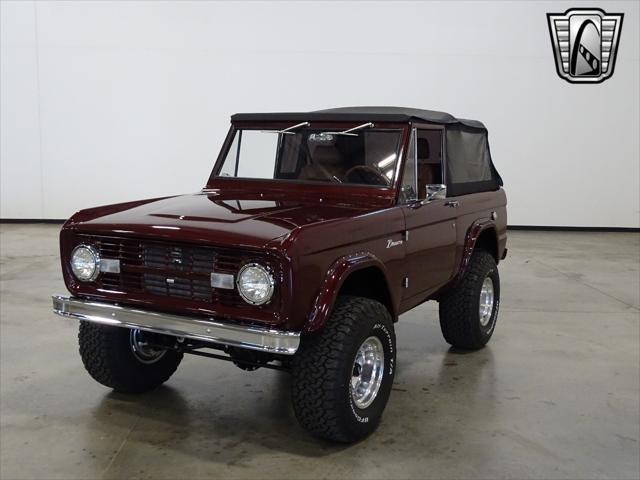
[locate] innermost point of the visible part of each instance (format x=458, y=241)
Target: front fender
x=335, y=277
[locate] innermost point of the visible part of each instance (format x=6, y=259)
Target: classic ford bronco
x=313, y=234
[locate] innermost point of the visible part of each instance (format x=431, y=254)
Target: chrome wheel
x=141, y=349
x=367, y=372
x=486, y=301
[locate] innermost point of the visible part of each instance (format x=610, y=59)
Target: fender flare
x=333, y=281
x=473, y=233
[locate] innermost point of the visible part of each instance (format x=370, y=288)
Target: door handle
x=452, y=203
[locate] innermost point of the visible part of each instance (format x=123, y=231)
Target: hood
x=253, y=221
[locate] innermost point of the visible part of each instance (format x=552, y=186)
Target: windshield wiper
x=288, y=130
x=350, y=131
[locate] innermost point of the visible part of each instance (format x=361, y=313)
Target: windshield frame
x=402, y=129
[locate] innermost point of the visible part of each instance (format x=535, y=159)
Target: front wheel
x=469, y=312
x=342, y=377
x=122, y=359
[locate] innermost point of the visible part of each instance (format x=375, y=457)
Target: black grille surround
x=180, y=271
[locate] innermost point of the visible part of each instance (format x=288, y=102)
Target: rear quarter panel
x=475, y=215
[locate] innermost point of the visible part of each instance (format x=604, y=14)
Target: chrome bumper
x=252, y=338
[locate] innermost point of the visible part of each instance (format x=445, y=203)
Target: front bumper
x=252, y=338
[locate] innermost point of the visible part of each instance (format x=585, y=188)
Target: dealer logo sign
x=585, y=43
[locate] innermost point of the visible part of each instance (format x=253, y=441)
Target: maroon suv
x=314, y=232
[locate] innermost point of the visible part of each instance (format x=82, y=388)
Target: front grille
x=172, y=270
x=186, y=259
x=194, y=289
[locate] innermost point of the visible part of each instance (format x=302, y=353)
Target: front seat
x=326, y=163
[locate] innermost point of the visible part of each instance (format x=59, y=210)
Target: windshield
x=360, y=155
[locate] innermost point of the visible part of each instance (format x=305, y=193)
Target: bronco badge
x=585, y=43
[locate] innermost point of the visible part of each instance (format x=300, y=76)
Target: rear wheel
x=122, y=359
x=468, y=313
x=342, y=377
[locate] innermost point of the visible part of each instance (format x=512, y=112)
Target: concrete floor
x=555, y=395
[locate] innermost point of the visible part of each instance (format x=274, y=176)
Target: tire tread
x=105, y=355
x=319, y=365
x=458, y=308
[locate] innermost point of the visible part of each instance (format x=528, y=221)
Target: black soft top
x=469, y=167
x=363, y=114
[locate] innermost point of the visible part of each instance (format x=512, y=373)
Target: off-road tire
x=323, y=366
x=108, y=357
x=459, y=315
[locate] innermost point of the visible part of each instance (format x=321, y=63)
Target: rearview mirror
x=436, y=191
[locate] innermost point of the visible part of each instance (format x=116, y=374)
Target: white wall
x=108, y=101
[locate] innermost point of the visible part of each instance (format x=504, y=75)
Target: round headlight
x=85, y=263
x=255, y=284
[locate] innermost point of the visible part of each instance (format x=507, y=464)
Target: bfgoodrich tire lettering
x=109, y=358
x=323, y=368
x=459, y=309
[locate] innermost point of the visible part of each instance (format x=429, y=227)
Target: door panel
x=430, y=249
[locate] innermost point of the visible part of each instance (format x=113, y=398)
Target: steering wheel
x=366, y=174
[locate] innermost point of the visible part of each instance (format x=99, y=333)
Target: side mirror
x=436, y=191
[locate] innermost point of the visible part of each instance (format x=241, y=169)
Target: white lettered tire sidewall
x=373, y=413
